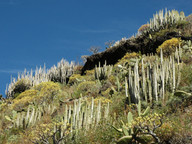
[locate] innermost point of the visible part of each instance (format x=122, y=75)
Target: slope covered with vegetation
x=137, y=91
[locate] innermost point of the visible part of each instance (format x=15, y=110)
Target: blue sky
x=34, y=32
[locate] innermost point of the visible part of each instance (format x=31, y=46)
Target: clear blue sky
x=34, y=32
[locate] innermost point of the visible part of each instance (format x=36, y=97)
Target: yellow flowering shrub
x=48, y=88
x=88, y=87
x=19, y=104
x=169, y=46
x=24, y=99
x=30, y=93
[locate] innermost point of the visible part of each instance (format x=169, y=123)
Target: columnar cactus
x=104, y=72
x=58, y=73
x=163, y=19
x=153, y=79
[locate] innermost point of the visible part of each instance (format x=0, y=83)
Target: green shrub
x=30, y=93
x=186, y=76
x=20, y=104
x=90, y=88
x=24, y=99
x=48, y=90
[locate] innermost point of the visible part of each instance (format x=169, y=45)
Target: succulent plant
x=129, y=131
x=104, y=72
x=59, y=73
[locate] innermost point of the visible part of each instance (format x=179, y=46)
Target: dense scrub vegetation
x=142, y=98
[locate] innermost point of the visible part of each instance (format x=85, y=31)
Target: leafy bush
x=30, y=93
x=24, y=99
x=169, y=46
x=61, y=72
x=20, y=104
x=48, y=90
x=88, y=88
x=186, y=76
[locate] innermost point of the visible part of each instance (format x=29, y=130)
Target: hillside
x=137, y=91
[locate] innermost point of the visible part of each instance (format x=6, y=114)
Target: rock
x=139, y=44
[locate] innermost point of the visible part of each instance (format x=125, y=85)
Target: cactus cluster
x=150, y=80
x=102, y=73
x=84, y=114
x=58, y=73
x=163, y=19
x=31, y=116
x=61, y=72
x=81, y=115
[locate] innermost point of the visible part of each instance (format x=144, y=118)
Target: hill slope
x=139, y=93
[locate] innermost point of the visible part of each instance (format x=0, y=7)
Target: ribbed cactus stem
x=27, y=116
x=136, y=81
x=161, y=55
x=32, y=116
x=66, y=116
x=126, y=88
x=179, y=74
x=92, y=107
x=118, y=84
x=74, y=114
x=150, y=91
x=18, y=119
x=174, y=83
x=35, y=117
x=144, y=81
x=155, y=83
x=128, y=96
x=106, y=111
x=98, y=111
